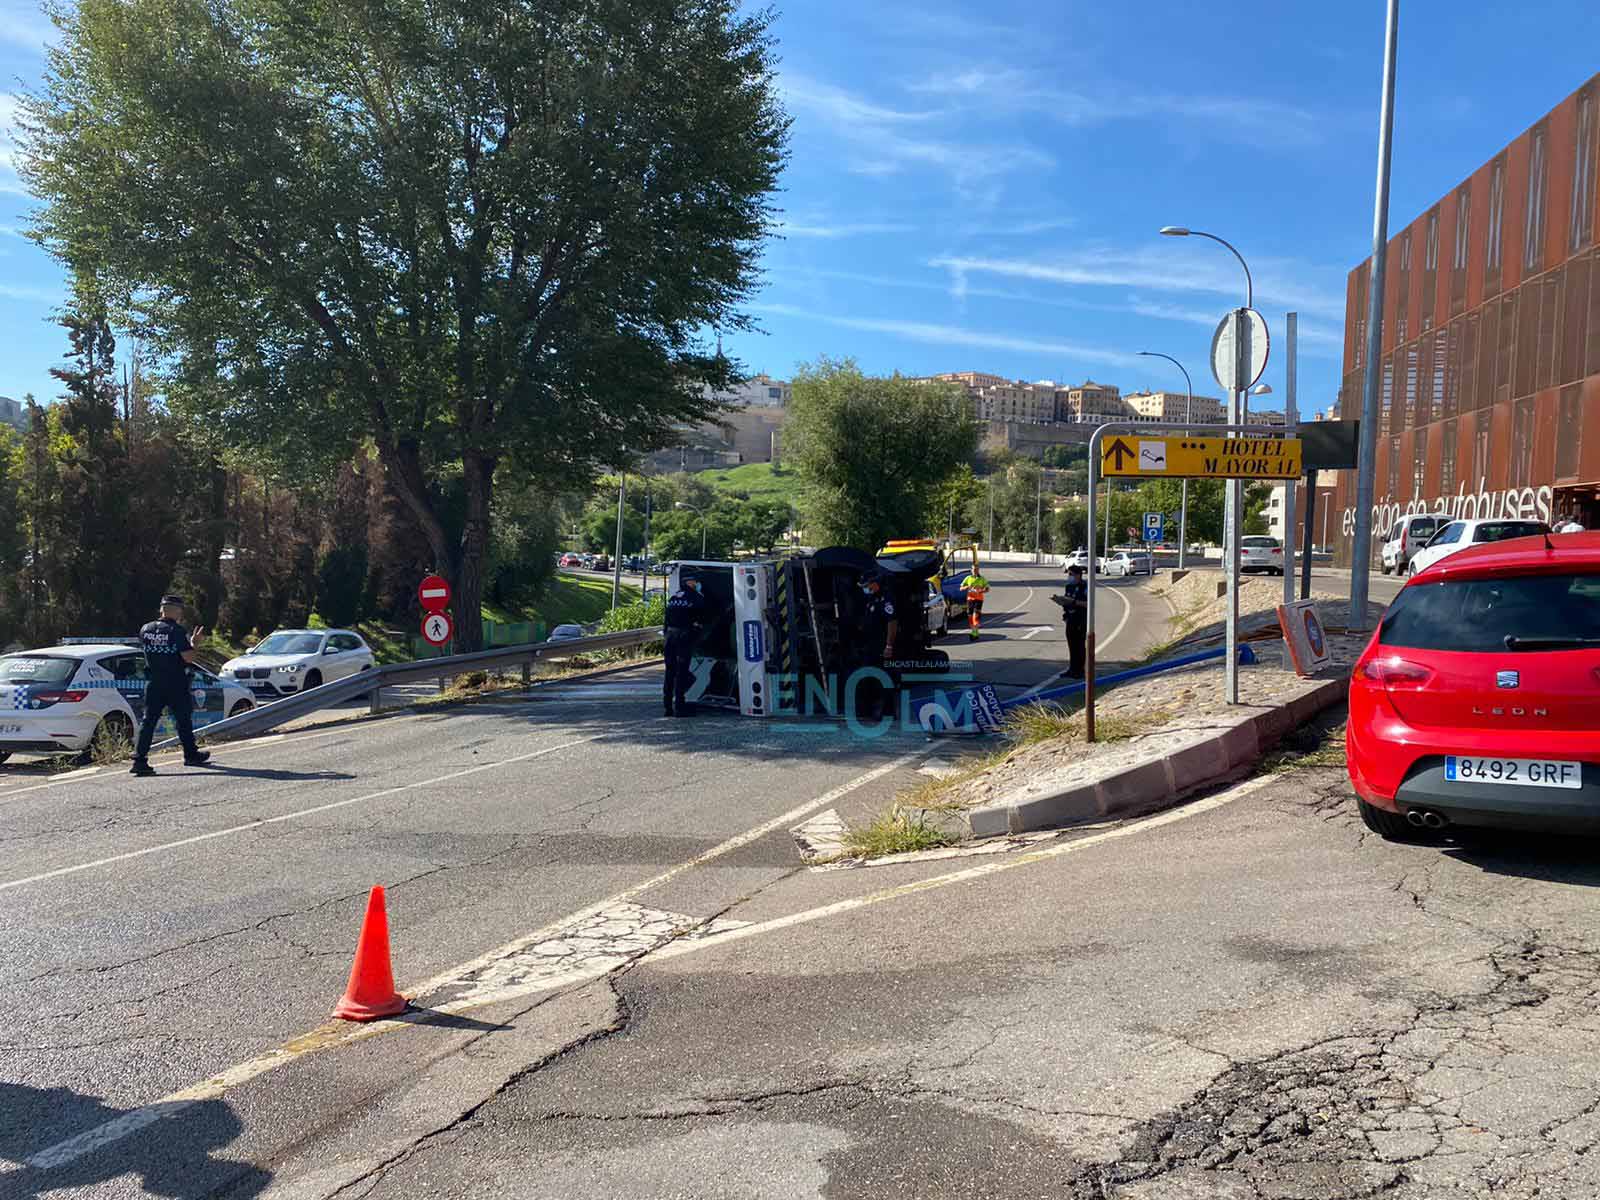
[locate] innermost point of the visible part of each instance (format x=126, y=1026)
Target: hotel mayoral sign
x=1201, y=457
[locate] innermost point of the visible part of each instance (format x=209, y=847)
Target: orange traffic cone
x=370, y=993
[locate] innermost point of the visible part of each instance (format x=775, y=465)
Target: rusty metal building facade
x=1490, y=379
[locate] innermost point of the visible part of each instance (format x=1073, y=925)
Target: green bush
x=642, y=614
x=341, y=585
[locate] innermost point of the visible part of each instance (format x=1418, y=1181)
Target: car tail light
x=1397, y=674
x=46, y=699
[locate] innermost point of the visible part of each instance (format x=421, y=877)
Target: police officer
x=168, y=651
x=686, y=612
x=880, y=630
x=1074, y=602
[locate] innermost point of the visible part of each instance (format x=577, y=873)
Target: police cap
x=173, y=601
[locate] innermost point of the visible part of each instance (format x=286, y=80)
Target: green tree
x=872, y=452
x=956, y=502
x=469, y=234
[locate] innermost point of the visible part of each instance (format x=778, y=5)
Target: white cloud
x=1008, y=90
x=1177, y=269
x=838, y=106
x=28, y=30
x=951, y=335
x=32, y=295
x=884, y=141
x=10, y=110
x=831, y=232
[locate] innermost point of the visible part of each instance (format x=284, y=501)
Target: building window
x=1386, y=417
x=1534, y=223
x=1419, y=462
x=1497, y=216
x=1458, y=264
x=1394, y=468
x=1583, y=174
x=1569, y=422
x=1522, y=443
x=1447, y=464
x=1481, y=453
x=774, y=393
x=1430, y=260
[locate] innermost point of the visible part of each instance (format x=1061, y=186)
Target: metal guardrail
x=277, y=712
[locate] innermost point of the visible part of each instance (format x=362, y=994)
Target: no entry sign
x=434, y=593
x=437, y=628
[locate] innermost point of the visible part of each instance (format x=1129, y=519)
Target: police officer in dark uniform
x=880, y=630
x=686, y=613
x=1074, y=602
x=168, y=651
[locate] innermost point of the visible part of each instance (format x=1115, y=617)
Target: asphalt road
x=627, y=985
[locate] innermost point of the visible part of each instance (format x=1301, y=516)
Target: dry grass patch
x=898, y=831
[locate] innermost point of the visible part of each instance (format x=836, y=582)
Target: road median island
x=1160, y=738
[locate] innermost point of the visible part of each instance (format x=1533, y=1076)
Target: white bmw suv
x=288, y=661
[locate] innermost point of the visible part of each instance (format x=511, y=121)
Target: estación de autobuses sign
x=1513, y=504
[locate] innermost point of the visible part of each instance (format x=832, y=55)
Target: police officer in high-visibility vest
x=976, y=587
x=168, y=651
x=686, y=612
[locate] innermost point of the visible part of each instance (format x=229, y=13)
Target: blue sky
x=978, y=186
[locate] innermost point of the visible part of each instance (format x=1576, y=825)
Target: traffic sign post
x=433, y=593
x=1155, y=526
x=437, y=628
x=1167, y=453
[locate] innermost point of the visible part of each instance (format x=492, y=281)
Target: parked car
x=296, y=660
x=1477, y=701
x=571, y=560
x=566, y=633
x=602, y=562
x=935, y=611
x=1080, y=558
x=1129, y=562
x=1410, y=534
x=1458, y=535
x=70, y=698
x=1258, y=553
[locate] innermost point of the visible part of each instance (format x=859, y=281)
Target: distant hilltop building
x=749, y=432
x=13, y=414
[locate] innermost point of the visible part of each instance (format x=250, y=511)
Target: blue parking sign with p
x=1154, y=526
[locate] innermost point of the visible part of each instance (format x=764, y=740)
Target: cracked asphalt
x=1261, y=1001
x=1251, y=997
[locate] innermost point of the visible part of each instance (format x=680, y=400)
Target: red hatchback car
x=1477, y=702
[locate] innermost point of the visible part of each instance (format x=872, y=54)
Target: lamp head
x=1264, y=390
x=1174, y=231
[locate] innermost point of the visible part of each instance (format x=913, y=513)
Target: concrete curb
x=1131, y=782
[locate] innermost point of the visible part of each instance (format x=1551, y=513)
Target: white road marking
x=304, y=812
x=1036, y=631
x=1198, y=808
x=493, y=965
x=1127, y=612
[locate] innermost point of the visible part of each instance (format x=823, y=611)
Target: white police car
x=67, y=698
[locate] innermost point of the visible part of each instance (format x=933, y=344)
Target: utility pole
x=644, y=569
x=1291, y=427
x=1366, y=464
x=616, y=563
x=990, y=542
x=1038, y=512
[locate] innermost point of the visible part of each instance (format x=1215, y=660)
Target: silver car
x=1261, y=554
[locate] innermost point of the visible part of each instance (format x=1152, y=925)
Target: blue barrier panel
x=1246, y=657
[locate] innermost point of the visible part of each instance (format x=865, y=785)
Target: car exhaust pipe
x=1414, y=818
x=1433, y=820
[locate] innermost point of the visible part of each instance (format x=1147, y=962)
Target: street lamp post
x=1188, y=418
x=1233, y=508
x=1366, y=462
x=701, y=514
